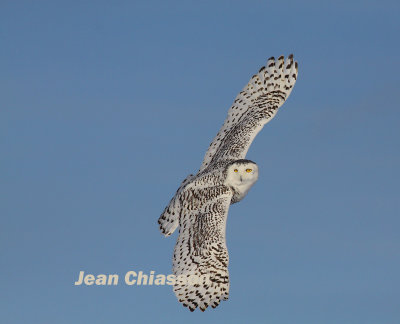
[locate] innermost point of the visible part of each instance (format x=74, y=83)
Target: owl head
x=241, y=174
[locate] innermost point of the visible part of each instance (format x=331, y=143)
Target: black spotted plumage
x=200, y=205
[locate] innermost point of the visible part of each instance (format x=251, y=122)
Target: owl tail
x=169, y=219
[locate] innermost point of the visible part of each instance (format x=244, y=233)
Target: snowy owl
x=200, y=205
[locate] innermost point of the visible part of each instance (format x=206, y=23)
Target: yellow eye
x=236, y=170
x=249, y=170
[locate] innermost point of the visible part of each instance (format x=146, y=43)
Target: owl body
x=200, y=206
x=236, y=176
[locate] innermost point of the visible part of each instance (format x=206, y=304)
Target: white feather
x=200, y=205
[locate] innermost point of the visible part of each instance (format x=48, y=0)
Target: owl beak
x=240, y=178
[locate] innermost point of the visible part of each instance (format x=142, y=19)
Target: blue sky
x=107, y=106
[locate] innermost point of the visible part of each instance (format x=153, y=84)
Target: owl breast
x=240, y=191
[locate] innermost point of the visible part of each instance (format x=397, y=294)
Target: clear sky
x=106, y=106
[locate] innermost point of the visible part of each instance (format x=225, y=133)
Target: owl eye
x=236, y=170
x=249, y=170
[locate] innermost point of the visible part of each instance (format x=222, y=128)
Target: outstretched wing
x=200, y=258
x=254, y=106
